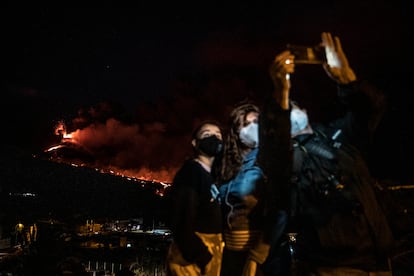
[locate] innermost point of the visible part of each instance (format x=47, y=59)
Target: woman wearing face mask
x=196, y=221
x=254, y=178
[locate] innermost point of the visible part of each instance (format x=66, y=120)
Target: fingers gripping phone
x=307, y=54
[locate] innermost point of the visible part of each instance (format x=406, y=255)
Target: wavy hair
x=233, y=148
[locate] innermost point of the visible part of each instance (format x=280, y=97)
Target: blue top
x=240, y=195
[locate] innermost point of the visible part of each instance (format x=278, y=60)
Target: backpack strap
x=299, y=153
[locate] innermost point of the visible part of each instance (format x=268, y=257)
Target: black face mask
x=211, y=145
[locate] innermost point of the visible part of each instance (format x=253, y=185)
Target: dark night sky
x=142, y=77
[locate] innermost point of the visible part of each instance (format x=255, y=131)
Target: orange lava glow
x=72, y=141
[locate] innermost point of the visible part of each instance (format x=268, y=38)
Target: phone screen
x=307, y=54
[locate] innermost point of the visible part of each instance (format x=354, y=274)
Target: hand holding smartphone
x=307, y=54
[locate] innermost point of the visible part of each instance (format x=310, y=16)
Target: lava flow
x=77, y=149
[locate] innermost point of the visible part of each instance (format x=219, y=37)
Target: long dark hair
x=232, y=155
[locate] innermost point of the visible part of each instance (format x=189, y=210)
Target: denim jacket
x=239, y=196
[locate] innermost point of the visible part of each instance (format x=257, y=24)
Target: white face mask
x=298, y=120
x=249, y=135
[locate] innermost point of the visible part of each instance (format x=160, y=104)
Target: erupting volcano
x=104, y=148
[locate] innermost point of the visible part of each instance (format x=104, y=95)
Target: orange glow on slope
x=74, y=140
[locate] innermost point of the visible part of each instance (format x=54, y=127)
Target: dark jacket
x=334, y=205
x=193, y=209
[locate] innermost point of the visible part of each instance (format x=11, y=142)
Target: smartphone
x=307, y=54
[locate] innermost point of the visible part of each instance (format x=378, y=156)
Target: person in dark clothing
x=196, y=221
x=341, y=228
x=256, y=163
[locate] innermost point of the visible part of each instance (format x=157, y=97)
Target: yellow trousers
x=178, y=266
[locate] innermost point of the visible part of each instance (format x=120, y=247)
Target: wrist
x=348, y=77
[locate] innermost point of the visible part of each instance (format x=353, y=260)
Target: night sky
x=134, y=81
